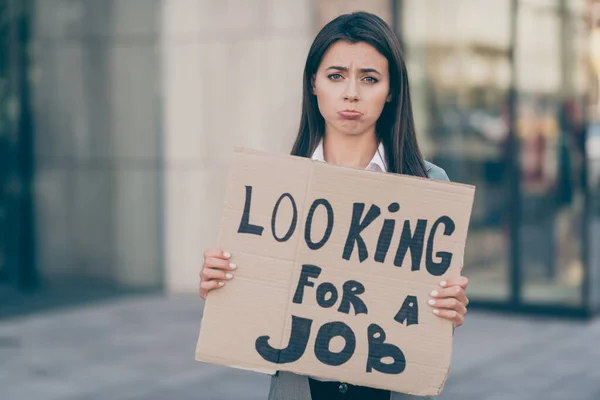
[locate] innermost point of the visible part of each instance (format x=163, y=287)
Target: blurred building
x=503, y=102
x=118, y=117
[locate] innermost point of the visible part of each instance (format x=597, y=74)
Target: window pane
x=593, y=154
x=458, y=65
x=550, y=134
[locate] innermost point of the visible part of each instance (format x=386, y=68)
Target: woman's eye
x=370, y=79
x=335, y=77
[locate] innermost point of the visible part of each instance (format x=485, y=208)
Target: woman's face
x=352, y=87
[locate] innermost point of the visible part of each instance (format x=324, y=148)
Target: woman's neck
x=354, y=151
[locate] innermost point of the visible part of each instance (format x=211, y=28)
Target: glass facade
x=593, y=158
x=16, y=166
x=460, y=82
x=96, y=106
x=80, y=178
x=551, y=92
x=500, y=96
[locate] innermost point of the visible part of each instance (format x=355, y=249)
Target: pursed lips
x=350, y=114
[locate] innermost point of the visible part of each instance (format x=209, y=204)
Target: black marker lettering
x=356, y=227
x=292, y=227
x=409, y=311
x=414, y=242
x=294, y=350
x=439, y=268
x=307, y=271
x=245, y=225
x=307, y=229
x=385, y=236
x=322, y=291
x=328, y=332
x=351, y=290
x=378, y=350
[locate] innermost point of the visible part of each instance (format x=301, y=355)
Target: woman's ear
x=312, y=85
x=389, y=98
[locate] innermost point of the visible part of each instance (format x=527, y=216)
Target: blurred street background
x=117, y=122
x=142, y=348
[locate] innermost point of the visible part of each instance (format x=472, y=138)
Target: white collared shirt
x=377, y=162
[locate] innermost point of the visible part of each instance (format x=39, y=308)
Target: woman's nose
x=351, y=91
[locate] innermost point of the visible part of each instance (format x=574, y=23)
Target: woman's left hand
x=450, y=300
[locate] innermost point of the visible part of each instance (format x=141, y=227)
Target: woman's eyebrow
x=345, y=69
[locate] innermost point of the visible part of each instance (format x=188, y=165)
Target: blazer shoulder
x=435, y=172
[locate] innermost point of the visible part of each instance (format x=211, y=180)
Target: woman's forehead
x=358, y=55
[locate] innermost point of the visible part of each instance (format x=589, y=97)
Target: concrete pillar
x=232, y=76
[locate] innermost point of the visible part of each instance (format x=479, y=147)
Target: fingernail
x=221, y=283
x=232, y=266
x=443, y=283
x=434, y=293
x=228, y=276
x=436, y=311
x=226, y=254
x=431, y=302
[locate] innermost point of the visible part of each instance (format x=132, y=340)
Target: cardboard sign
x=335, y=267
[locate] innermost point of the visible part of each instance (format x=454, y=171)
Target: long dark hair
x=395, y=127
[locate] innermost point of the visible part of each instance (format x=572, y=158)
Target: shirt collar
x=377, y=162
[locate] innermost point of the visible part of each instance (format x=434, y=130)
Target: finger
x=210, y=285
x=207, y=286
x=461, y=281
x=449, y=304
x=450, y=315
x=208, y=274
x=217, y=253
x=219, y=263
x=456, y=292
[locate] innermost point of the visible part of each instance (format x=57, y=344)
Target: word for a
x=327, y=296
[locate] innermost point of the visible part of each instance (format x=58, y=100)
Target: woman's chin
x=352, y=132
x=351, y=128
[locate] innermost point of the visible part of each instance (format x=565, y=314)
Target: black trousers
x=342, y=391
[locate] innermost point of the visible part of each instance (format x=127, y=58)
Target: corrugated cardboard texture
x=246, y=321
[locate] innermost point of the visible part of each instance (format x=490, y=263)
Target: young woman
x=356, y=112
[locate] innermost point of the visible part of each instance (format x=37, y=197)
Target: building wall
x=138, y=105
x=232, y=76
x=326, y=10
x=95, y=81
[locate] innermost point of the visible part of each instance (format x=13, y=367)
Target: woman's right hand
x=217, y=269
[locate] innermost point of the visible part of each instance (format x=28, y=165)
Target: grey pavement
x=142, y=348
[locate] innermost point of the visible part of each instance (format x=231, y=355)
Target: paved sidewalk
x=142, y=348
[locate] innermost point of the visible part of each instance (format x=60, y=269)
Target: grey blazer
x=289, y=386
